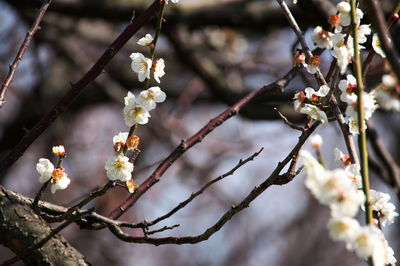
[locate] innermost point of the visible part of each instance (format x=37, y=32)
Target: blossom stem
x=39, y=195
x=154, y=43
x=362, y=140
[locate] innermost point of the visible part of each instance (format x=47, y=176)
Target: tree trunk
x=21, y=228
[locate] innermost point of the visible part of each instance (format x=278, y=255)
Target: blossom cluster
x=348, y=95
x=136, y=111
x=55, y=175
x=340, y=190
x=309, y=102
x=341, y=45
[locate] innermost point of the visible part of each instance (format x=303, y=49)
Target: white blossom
x=353, y=172
x=45, y=168
x=316, y=141
x=314, y=112
x=342, y=228
x=387, y=214
x=313, y=64
x=322, y=38
x=135, y=115
x=119, y=168
x=363, y=31
x=133, y=112
x=387, y=94
x=159, y=69
x=146, y=40
x=353, y=125
x=376, y=44
x=367, y=243
x=348, y=88
x=148, y=98
x=306, y=103
x=369, y=107
x=59, y=180
x=315, y=173
x=120, y=138
x=343, y=58
x=58, y=150
x=344, y=9
x=380, y=203
x=141, y=65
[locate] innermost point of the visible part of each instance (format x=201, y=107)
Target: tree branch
x=76, y=88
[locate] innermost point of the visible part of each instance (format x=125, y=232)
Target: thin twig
x=21, y=52
x=274, y=179
x=379, y=24
x=198, y=137
x=321, y=80
x=200, y=191
x=287, y=122
x=77, y=88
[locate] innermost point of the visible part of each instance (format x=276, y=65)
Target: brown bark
x=21, y=228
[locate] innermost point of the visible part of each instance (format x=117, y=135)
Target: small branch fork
x=274, y=179
x=321, y=80
x=198, y=137
x=21, y=52
x=77, y=87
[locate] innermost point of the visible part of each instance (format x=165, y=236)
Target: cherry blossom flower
x=141, y=65
x=148, y=98
x=45, y=168
x=135, y=115
x=376, y=44
x=316, y=141
x=314, y=112
x=158, y=69
x=369, y=106
x=59, y=150
x=387, y=94
x=322, y=38
x=348, y=88
x=119, y=141
x=59, y=180
x=342, y=228
x=344, y=9
x=353, y=125
x=146, y=40
x=315, y=173
x=306, y=103
x=313, y=64
x=133, y=112
x=354, y=174
x=119, y=168
x=386, y=210
x=367, y=244
x=343, y=58
x=363, y=31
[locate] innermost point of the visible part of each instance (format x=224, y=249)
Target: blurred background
x=215, y=53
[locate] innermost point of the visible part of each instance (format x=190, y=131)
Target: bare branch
x=198, y=137
x=274, y=179
x=76, y=88
x=21, y=52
